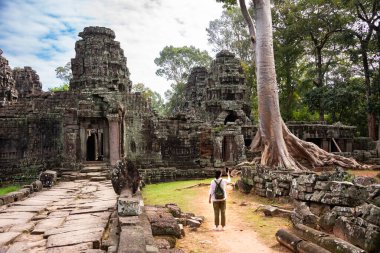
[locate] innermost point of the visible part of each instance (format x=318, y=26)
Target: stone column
x=240, y=148
x=83, y=142
x=114, y=138
x=218, y=146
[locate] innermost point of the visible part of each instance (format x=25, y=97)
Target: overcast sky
x=42, y=33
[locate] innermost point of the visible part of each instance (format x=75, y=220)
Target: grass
x=7, y=189
x=266, y=227
x=174, y=192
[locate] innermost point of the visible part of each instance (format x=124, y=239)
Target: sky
x=42, y=33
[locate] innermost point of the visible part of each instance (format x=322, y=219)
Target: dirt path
x=239, y=235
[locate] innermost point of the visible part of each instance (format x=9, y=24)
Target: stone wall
x=349, y=210
x=164, y=174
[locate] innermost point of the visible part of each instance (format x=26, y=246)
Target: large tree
x=278, y=145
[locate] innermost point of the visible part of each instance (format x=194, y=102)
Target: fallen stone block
x=296, y=244
x=37, y=185
x=326, y=241
x=274, y=211
x=193, y=223
x=174, y=210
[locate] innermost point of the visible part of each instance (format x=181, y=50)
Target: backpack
x=219, y=192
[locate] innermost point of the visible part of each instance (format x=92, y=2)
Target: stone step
x=92, y=169
x=98, y=179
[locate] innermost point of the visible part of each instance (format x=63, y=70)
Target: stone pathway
x=70, y=217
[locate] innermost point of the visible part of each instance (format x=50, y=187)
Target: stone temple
x=100, y=120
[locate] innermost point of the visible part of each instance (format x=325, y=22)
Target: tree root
x=296, y=151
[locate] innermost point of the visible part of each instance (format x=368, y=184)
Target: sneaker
x=222, y=229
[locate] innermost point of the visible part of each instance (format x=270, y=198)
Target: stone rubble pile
x=324, y=201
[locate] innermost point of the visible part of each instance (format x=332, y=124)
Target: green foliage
x=230, y=32
x=175, y=63
x=64, y=73
x=218, y=129
x=8, y=189
x=62, y=87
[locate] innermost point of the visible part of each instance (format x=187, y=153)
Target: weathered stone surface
x=174, y=210
x=193, y=223
x=76, y=237
x=326, y=241
x=47, y=224
x=26, y=246
x=8, y=237
x=82, y=247
x=27, y=81
x=358, y=232
x=132, y=240
x=244, y=187
x=37, y=185
x=303, y=215
x=129, y=206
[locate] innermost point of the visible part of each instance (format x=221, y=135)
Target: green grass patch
x=8, y=189
x=174, y=192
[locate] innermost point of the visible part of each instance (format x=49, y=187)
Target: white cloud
x=49, y=28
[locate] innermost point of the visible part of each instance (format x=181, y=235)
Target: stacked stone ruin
x=27, y=81
x=8, y=92
x=325, y=201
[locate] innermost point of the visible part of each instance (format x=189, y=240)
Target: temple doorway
x=94, y=145
x=228, y=148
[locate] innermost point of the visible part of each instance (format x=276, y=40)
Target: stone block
x=344, y=211
x=322, y=185
x=129, y=221
x=174, y=210
x=358, y=232
x=193, y=223
x=129, y=206
x=37, y=185
x=327, y=221
x=243, y=186
x=370, y=213
x=132, y=240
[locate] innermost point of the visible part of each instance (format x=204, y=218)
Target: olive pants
x=219, y=207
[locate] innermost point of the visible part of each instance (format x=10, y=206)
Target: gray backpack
x=219, y=193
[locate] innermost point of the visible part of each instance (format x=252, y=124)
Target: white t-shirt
x=223, y=184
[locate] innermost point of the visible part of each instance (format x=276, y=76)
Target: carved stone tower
x=99, y=63
x=8, y=92
x=27, y=81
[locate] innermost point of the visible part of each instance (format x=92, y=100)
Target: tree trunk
x=319, y=84
x=371, y=119
x=278, y=145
